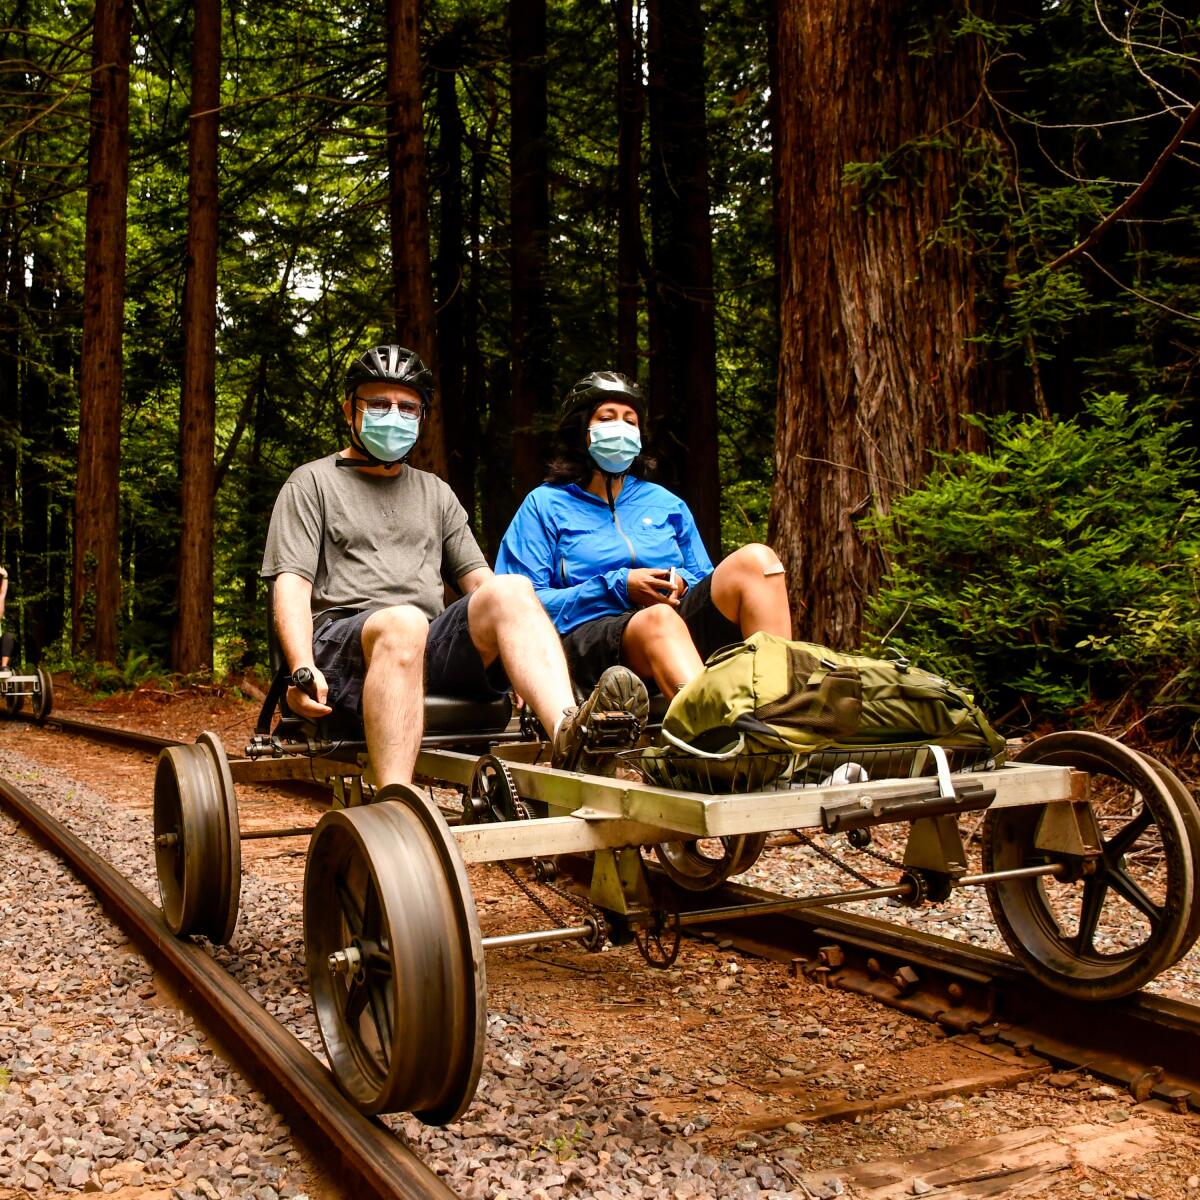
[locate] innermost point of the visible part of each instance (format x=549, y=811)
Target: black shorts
x=452, y=663
x=593, y=647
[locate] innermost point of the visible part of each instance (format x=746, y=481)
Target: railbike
x=1090, y=855
x=36, y=687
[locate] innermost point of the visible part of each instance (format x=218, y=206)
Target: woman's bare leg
x=749, y=588
x=656, y=645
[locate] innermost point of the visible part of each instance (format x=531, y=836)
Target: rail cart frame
x=394, y=953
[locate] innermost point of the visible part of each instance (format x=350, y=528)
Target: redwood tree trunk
x=532, y=375
x=191, y=642
x=630, y=251
x=408, y=210
x=450, y=270
x=96, y=581
x=684, y=388
x=876, y=367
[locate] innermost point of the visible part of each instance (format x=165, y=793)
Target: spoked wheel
x=197, y=840
x=1106, y=929
x=394, y=957
x=43, y=700
x=1190, y=810
x=703, y=864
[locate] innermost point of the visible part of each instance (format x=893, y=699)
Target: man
x=358, y=548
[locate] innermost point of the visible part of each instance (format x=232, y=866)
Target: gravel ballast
x=602, y=1078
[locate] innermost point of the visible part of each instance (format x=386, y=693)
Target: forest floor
x=602, y=1078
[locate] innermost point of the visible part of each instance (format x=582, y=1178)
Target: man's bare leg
x=658, y=645
x=755, y=601
x=393, y=641
x=506, y=621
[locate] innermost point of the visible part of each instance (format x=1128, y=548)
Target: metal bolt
x=345, y=962
x=905, y=979
x=874, y=967
x=167, y=839
x=955, y=992
x=831, y=956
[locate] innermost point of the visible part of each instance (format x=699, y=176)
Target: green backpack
x=762, y=706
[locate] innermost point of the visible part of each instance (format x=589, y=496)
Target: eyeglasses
x=407, y=408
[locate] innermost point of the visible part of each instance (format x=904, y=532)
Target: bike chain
x=521, y=809
x=829, y=856
x=879, y=856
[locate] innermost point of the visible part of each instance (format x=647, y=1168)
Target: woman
x=618, y=562
x=8, y=643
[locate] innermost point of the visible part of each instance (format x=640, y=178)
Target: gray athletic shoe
x=609, y=720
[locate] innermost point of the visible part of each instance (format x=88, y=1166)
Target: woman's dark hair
x=571, y=462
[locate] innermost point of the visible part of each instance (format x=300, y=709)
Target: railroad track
x=364, y=1151
x=1149, y=1044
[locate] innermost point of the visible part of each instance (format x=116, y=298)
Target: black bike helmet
x=598, y=388
x=392, y=364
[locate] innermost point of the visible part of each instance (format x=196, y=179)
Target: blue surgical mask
x=389, y=436
x=613, y=445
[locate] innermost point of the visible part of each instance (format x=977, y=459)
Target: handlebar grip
x=306, y=681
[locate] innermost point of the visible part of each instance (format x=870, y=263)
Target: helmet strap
x=608, y=482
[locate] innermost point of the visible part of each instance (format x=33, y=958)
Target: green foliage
x=746, y=505
x=1058, y=569
x=105, y=679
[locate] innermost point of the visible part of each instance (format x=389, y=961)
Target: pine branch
x=1132, y=199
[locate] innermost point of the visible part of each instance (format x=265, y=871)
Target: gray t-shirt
x=367, y=541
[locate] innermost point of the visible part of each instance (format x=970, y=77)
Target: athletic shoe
x=609, y=720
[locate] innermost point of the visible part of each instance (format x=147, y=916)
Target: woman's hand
x=652, y=585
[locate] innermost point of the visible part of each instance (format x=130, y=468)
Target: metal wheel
x=43, y=698
x=1190, y=812
x=703, y=864
x=1101, y=933
x=659, y=937
x=394, y=957
x=197, y=842
x=13, y=702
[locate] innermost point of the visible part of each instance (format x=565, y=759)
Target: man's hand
x=652, y=585
x=309, y=702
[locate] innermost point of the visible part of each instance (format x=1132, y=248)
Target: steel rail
x=1149, y=1043
x=959, y=986
x=131, y=738
x=279, y=1063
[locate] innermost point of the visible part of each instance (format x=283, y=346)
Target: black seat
x=445, y=716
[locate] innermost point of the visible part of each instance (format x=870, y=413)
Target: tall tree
x=532, y=376
x=96, y=582
x=630, y=250
x=192, y=641
x=684, y=381
x=876, y=312
x=412, y=280
x=446, y=59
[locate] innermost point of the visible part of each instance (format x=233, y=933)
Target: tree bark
x=96, y=582
x=684, y=388
x=876, y=366
x=630, y=250
x=191, y=643
x=532, y=371
x=408, y=211
x=450, y=269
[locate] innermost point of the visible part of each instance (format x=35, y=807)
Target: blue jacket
x=578, y=552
